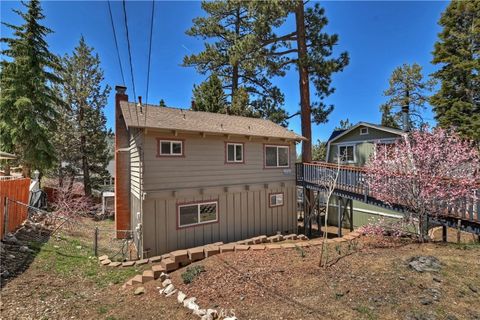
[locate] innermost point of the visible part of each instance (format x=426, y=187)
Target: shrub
x=191, y=273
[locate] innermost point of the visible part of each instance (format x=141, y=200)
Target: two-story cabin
x=355, y=146
x=187, y=178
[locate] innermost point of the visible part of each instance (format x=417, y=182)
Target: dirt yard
x=373, y=283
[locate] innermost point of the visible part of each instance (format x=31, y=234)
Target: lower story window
x=197, y=213
x=276, y=199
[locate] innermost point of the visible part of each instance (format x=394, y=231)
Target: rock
x=206, y=317
x=424, y=264
x=426, y=301
x=230, y=318
x=11, y=256
x=212, y=313
x=181, y=296
x=437, y=279
x=401, y=278
x=451, y=317
x=168, y=289
x=190, y=303
x=171, y=293
x=200, y=312
x=24, y=249
x=139, y=291
x=11, y=239
x=473, y=288
x=166, y=282
x=5, y=274
x=78, y=247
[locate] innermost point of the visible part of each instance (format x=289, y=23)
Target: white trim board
x=370, y=211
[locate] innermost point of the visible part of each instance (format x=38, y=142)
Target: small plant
x=191, y=273
x=300, y=251
x=338, y=249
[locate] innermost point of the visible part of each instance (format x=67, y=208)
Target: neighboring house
x=186, y=178
x=356, y=145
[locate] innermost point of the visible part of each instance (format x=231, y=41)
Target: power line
x=116, y=42
x=150, y=50
x=129, y=51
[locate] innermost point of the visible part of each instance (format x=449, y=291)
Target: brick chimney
x=122, y=166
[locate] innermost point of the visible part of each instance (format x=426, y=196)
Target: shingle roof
x=335, y=133
x=198, y=121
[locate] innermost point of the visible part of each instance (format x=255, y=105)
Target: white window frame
x=362, y=133
x=198, y=204
x=278, y=158
x=234, y=144
x=275, y=194
x=171, y=154
x=354, y=152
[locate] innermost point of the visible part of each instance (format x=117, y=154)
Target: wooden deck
x=351, y=185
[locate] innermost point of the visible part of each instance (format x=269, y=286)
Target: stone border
x=198, y=253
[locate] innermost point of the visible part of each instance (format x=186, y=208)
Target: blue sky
x=378, y=36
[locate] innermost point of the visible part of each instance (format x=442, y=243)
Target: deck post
x=444, y=233
x=351, y=215
x=459, y=224
x=339, y=233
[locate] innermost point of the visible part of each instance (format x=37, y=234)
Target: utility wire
x=129, y=51
x=150, y=50
x=116, y=42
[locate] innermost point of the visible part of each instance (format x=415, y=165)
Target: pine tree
x=162, y=103
x=209, y=96
x=233, y=28
x=85, y=97
x=389, y=119
x=457, y=52
x=407, y=95
x=27, y=103
x=344, y=125
x=319, y=151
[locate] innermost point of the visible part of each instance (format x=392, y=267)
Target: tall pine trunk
x=304, y=83
x=305, y=108
x=235, y=68
x=87, y=188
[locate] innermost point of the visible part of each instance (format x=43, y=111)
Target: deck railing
x=353, y=179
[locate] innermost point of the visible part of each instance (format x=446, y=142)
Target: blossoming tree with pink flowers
x=425, y=171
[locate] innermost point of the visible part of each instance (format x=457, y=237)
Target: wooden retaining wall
x=18, y=190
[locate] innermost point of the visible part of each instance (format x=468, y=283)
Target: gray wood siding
x=136, y=138
x=241, y=214
x=203, y=164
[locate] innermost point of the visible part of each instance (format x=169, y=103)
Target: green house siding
x=362, y=213
x=364, y=145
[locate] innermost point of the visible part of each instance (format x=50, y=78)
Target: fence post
x=5, y=218
x=95, y=241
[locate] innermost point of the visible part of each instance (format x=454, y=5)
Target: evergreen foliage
x=209, y=96
x=27, y=103
x=344, y=125
x=319, y=151
x=83, y=146
x=407, y=92
x=457, y=52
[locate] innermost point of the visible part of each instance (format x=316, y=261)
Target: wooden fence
x=13, y=214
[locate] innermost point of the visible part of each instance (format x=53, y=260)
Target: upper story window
x=363, y=131
x=170, y=148
x=234, y=153
x=347, y=153
x=197, y=213
x=277, y=156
